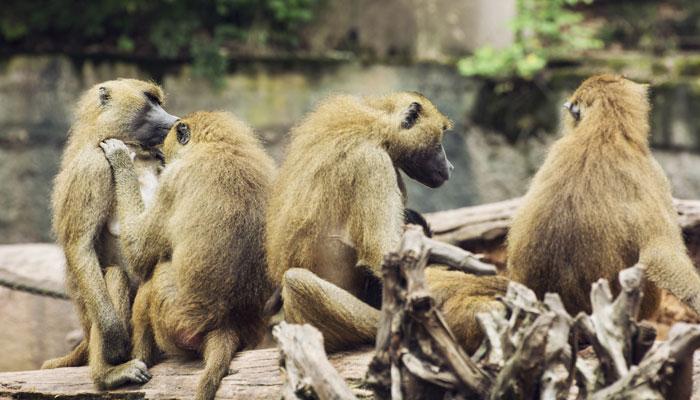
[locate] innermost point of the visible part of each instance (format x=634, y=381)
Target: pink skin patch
x=187, y=341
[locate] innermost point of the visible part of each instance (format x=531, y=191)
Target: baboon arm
x=92, y=288
x=141, y=235
x=669, y=267
x=82, y=200
x=377, y=211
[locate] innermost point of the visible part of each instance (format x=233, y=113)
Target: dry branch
x=413, y=339
x=529, y=353
x=457, y=258
x=307, y=372
x=473, y=226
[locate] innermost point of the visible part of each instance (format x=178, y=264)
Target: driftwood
x=307, y=372
x=252, y=375
x=486, y=225
x=531, y=353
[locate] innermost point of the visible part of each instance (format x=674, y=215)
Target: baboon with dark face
x=337, y=207
x=200, y=247
x=83, y=207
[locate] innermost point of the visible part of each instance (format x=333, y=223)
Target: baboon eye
x=183, y=133
x=152, y=98
x=411, y=115
x=574, y=109
x=104, y=95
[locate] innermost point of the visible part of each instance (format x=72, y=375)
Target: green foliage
x=659, y=27
x=175, y=29
x=544, y=30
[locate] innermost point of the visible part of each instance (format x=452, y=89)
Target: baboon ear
x=104, y=95
x=410, y=116
x=183, y=133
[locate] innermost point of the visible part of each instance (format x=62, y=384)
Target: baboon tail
x=219, y=347
x=76, y=358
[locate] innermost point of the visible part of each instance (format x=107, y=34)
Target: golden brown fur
x=461, y=296
x=83, y=203
x=199, y=249
x=601, y=203
x=337, y=208
x=338, y=189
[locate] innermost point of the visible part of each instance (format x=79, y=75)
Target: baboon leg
x=144, y=346
x=107, y=376
x=91, y=294
x=219, y=347
x=343, y=319
x=119, y=290
x=76, y=358
x=79, y=355
x=668, y=266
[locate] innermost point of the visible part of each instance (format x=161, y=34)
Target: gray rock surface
x=34, y=328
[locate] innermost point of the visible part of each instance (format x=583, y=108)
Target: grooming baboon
x=337, y=207
x=601, y=203
x=200, y=247
x=83, y=203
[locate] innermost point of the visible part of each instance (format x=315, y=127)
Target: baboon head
x=127, y=109
x=204, y=127
x=415, y=146
x=605, y=104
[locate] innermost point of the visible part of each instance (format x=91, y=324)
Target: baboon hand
x=116, y=152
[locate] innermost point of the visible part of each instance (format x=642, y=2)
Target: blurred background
x=500, y=69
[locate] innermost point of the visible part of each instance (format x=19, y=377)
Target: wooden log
x=254, y=374
x=413, y=340
x=307, y=372
x=478, y=226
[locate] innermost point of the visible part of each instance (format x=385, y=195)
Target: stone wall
x=499, y=139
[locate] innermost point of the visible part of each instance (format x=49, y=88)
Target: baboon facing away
x=83, y=206
x=337, y=207
x=200, y=247
x=601, y=203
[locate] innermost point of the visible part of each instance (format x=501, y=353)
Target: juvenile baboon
x=601, y=203
x=200, y=247
x=83, y=204
x=337, y=206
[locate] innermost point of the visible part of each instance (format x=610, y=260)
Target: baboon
x=601, y=203
x=337, y=207
x=199, y=249
x=83, y=207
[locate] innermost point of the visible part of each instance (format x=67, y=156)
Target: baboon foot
x=131, y=372
x=58, y=362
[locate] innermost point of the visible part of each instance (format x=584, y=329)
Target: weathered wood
x=307, y=372
x=654, y=377
x=457, y=258
x=532, y=352
x=253, y=375
x=413, y=340
x=468, y=226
